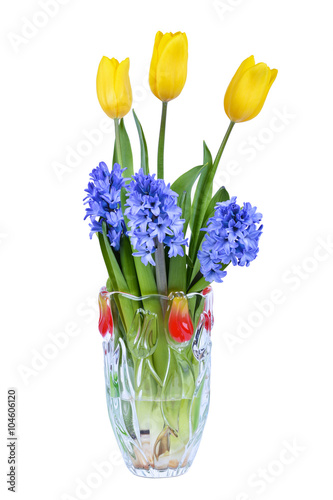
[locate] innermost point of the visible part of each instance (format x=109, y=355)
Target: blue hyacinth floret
x=232, y=236
x=103, y=202
x=153, y=217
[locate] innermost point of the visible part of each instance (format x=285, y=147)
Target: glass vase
x=157, y=374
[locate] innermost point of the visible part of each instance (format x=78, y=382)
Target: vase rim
x=207, y=292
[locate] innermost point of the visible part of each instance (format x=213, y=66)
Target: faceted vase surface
x=157, y=374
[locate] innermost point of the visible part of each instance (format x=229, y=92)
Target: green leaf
x=126, y=150
x=114, y=268
x=199, y=285
x=143, y=145
x=177, y=274
x=185, y=183
x=193, y=272
x=146, y=278
x=189, y=262
x=205, y=185
x=109, y=285
x=182, y=201
x=199, y=205
x=117, y=280
x=220, y=196
x=128, y=267
x=111, y=282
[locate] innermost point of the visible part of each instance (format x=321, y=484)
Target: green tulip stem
x=118, y=147
x=223, y=144
x=160, y=153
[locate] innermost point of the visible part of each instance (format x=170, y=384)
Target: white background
x=272, y=376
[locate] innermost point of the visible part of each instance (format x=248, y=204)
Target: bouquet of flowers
x=163, y=246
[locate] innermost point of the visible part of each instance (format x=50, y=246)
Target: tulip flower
x=167, y=77
x=248, y=89
x=113, y=87
x=168, y=68
x=105, y=324
x=208, y=309
x=180, y=323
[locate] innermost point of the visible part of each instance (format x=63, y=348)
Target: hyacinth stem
x=118, y=147
x=161, y=276
x=160, y=153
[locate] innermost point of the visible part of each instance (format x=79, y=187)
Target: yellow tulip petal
x=248, y=89
x=168, y=68
x=105, y=85
x=164, y=42
x=273, y=75
x=153, y=64
x=245, y=65
x=161, y=42
x=114, y=62
x=158, y=38
x=171, y=70
x=249, y=93
x=123, y=89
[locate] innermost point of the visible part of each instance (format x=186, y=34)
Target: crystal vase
x=157, y=373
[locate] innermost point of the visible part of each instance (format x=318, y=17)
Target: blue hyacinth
x=103, y=202
x=232, y=236
x=153, y=217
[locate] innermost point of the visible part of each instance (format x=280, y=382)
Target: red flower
x=180, y=323
x=209, y=318
x=105, y=324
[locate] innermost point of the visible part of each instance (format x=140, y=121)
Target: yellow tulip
x=247, y=91
x=168, y=68
x=113, y=87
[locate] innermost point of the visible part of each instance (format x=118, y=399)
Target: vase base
x=159, y=473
